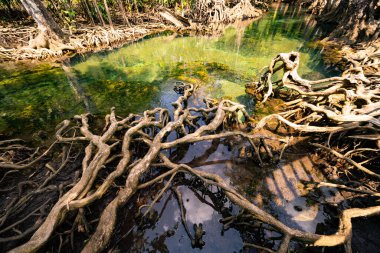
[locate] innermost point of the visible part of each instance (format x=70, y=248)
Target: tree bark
x=87, y=11
x=108, y=14
x=44, y=20
x=136, y=6
x=95, y=2
x=178, y=21
x=123, y=12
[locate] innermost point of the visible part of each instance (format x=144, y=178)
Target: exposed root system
x=86, y=39
x=135, y=154
x=219, y=11
x=345, y=111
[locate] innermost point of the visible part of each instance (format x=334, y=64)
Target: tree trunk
x=178, y=21
x=123, y=12
x=87, y=11
x=95, y=2
x=9, y=7
x=108, y=14
x=136, y=6
x=44, y=20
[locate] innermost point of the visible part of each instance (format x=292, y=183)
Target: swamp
x=189, y=126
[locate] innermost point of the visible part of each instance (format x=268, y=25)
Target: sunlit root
x=158, y=132
x=341, y=106
x=344, y=110
x=119, y=135
x=83, y=40
x=221, y=11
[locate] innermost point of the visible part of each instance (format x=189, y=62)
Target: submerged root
x=120, y=135
x=345, y=110
x=137, y=143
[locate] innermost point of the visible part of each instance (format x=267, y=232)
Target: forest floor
x=86, y=38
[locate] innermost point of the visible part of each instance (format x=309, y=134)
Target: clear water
x=141, y=75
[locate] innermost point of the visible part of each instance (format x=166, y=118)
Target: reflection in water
x=197, y=211
x=139, y=76
x=278, y=189
x=78, y=90
x=281, y=193
x=33, y=96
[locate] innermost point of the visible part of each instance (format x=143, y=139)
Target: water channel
x=37, y=96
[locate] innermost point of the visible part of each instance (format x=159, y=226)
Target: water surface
x=140, y=76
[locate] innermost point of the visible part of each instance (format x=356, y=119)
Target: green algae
x=32, y=96
x=141, y=75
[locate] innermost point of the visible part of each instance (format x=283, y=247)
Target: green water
x=141, y=75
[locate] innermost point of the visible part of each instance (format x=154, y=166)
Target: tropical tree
x=50, y=32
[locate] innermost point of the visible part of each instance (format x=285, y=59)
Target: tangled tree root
x=345, y=110
x=345, y=106
x=83, y=40
x=138, y=143
x=15, y=44
x=150, y=129
x=220, y=11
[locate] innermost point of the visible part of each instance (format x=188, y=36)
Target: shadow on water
x=280, y=189
x=276, y=188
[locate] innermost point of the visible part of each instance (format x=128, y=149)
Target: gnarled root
x=150, y=129
x=218, y=11
x=344, y=110
x=153, y=133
